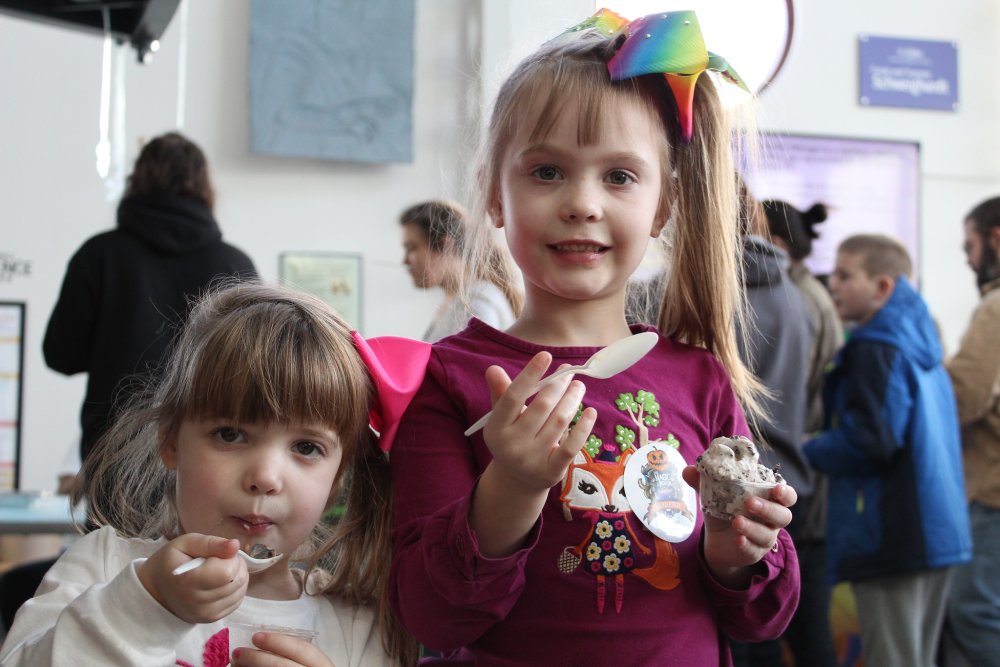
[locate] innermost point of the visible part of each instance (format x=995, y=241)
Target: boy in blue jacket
x=897, y=517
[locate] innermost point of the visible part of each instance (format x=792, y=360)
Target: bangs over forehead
x=278, y=362
x=538, y=93
x=542, y=102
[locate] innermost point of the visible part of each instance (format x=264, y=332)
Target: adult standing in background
x=809, y=635
x=974, y=605
x=433, y=239
x=775, y=346
x=793, y=231
x=126, y=290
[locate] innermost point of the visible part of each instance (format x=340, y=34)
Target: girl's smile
x=579, y=252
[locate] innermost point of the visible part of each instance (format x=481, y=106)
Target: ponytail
x=703, y=300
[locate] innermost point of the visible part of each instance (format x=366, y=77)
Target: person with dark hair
x=127, y=290
x=433, y=240
x=793, y=231
x=775, y=344
x=809, y=635
x=974, y=606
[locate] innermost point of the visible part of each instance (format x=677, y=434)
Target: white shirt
x=91, y=609
x=486, y=301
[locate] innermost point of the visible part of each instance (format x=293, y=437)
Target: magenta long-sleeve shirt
x=589, y=587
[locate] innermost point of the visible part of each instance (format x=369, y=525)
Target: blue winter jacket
x=892, y=449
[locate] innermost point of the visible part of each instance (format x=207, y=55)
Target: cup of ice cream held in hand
x=730, y=473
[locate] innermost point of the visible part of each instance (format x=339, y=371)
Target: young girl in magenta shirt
x=517, y=545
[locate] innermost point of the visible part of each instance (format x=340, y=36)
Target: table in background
x=37, y=512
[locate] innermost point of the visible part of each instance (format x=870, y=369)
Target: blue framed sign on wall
x=909, y=73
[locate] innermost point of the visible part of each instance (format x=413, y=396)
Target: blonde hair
x=880, y=255
x=703, y=296
x=254, y=353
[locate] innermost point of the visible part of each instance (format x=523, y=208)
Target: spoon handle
x=190, y=565
x=481, y=422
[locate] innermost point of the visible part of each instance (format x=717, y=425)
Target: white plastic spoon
x=604, y=363
x=253, y=564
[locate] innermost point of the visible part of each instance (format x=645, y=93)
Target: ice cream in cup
x=730, y=473
x=240, y=633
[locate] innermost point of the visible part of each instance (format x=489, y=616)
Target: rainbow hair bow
x=668, y=43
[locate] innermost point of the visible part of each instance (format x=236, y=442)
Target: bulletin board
x=11, y=376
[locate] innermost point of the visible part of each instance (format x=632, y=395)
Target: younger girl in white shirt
x=260, y=417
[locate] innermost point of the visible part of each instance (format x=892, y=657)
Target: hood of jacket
x=764, y=264
x=171, y=224
x=906, y=323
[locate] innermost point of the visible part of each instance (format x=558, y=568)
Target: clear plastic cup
x=240, y=633
x=725, y=498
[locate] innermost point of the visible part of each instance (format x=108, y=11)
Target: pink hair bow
x=397, y=366
x=668, y=43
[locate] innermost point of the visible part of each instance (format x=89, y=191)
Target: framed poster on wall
x=333, y=277
x=11, y=367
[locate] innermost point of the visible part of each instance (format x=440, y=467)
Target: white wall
x=817, y=93
x=51, y=198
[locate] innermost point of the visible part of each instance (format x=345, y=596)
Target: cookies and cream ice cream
x=730, y=471
x=258, y=550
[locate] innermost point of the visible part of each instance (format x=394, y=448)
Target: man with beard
x=974, y=608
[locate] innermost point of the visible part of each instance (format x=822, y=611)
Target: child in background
x=518, y=545
x=897, y=518
x=259, y=418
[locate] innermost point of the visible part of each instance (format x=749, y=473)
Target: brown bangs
x=536, y=97
x=577, y=72
x=280, y=364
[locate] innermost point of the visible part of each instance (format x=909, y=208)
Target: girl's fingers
x=524, y=383
x=692, y=476
x=563, y=454
x=754, y=533
x=784, y=495
x=509, y=396
x=545, y=402
x=554, y=407
x=282, y=650
x=498, y=381
x=766, y=519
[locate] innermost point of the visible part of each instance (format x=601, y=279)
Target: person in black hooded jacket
x=126, y=291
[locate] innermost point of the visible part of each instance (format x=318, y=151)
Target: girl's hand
x=733, y=547
x=529, y=443
x=279, y=651
x=531, y=452
x=203, y=595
